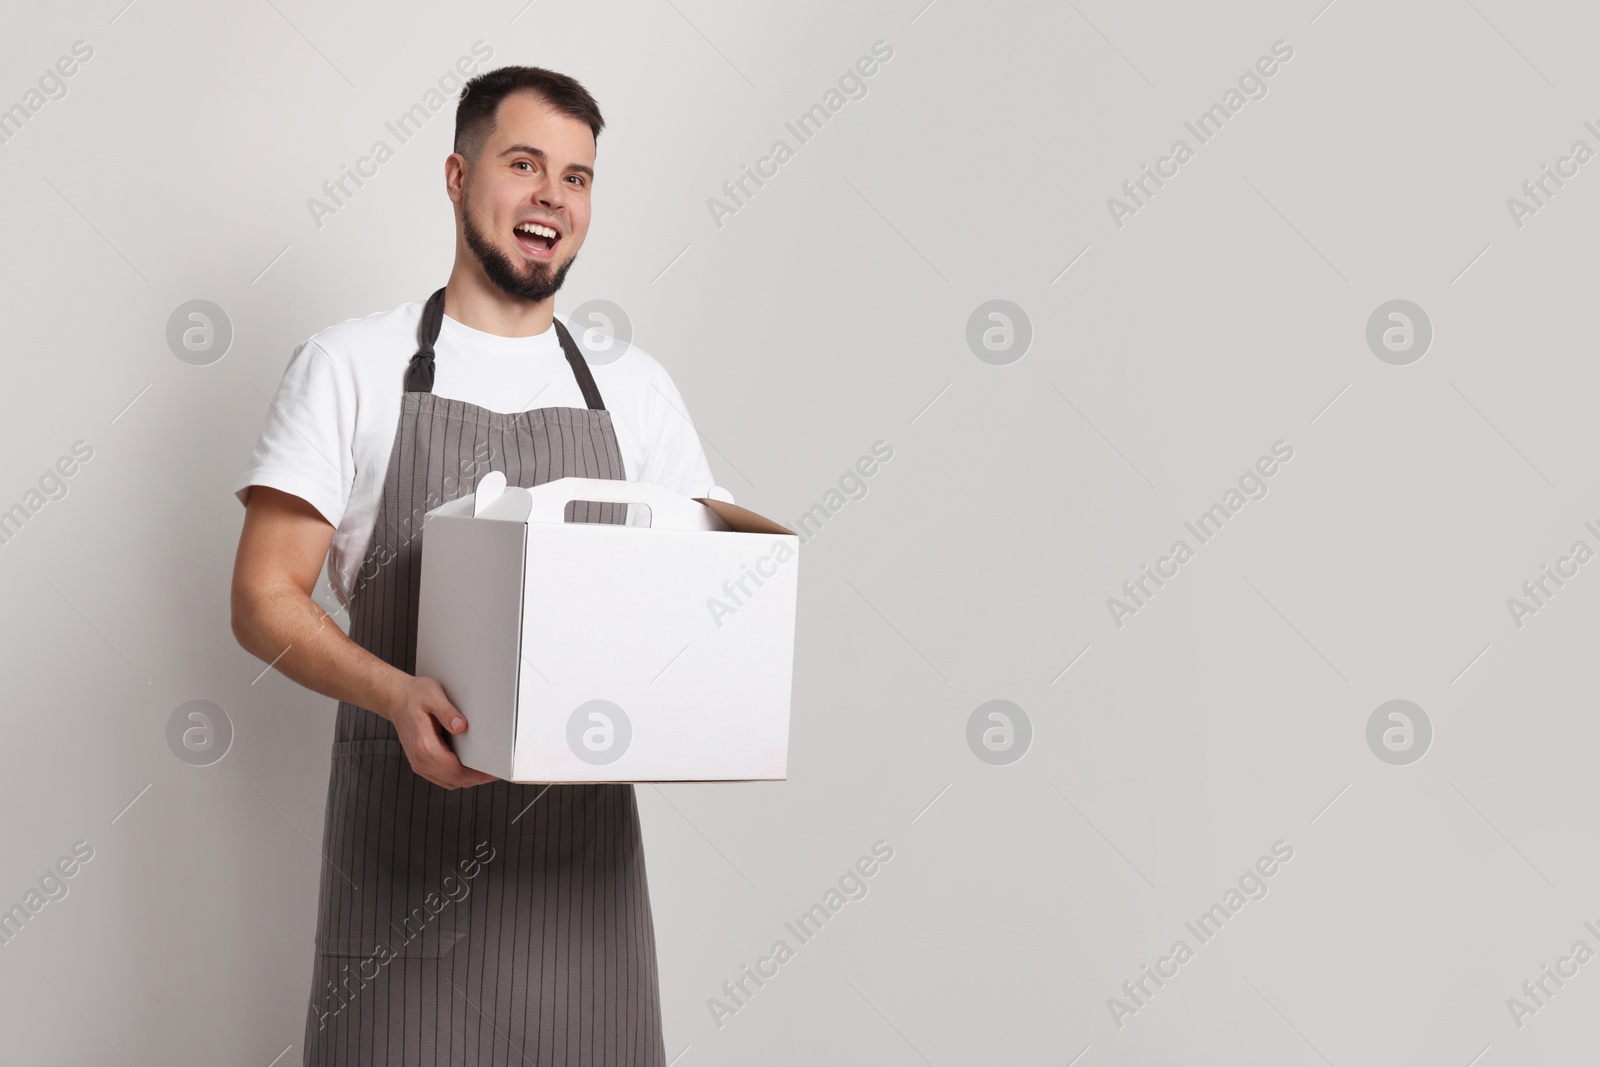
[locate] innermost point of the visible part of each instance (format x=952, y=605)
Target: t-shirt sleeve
x=673, y=456
x=306, y=447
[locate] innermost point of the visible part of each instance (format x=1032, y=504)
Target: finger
x=443, y=765
x=434, y=760
x=447, y=764
x=470, y=776
x=467, y=776
x=449, y=718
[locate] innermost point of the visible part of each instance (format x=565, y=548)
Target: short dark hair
x=481, y=97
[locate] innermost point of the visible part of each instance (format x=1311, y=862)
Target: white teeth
x=535, y=228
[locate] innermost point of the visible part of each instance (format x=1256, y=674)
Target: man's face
x=536, y=167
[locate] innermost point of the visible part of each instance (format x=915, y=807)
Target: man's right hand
x=422, y=717
x=281, y=552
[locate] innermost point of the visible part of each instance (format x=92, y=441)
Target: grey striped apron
x=501, y=923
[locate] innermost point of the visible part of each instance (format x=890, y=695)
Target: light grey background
x=830, y=312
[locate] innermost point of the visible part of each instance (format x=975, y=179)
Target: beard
x=540, y=281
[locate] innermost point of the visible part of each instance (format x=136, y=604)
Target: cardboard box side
x=625, y=618
x=468, y=630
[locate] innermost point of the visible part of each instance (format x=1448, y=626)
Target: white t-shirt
x=330, y=429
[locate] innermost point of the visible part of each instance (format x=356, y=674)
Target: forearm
x=286, y=628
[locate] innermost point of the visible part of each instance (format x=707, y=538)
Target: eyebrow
x=538, y=153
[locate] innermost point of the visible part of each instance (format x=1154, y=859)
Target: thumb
x=449, y=718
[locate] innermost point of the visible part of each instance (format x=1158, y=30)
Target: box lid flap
x=742, y=520
x=512, y=505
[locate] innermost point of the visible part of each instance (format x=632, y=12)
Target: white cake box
x=600, y=652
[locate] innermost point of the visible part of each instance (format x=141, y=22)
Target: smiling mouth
x=537, y=241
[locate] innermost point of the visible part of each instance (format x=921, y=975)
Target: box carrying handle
x=668, y=510
x=548, y=502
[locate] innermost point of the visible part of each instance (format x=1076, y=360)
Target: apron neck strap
x=580, y=367
x=419, y=373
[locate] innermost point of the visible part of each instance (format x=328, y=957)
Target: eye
x=522, y=163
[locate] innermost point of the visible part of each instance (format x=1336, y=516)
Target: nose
x=548, y=192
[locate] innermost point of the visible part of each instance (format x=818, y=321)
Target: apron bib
x=500, y=923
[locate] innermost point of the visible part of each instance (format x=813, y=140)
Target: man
x=461, y=919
